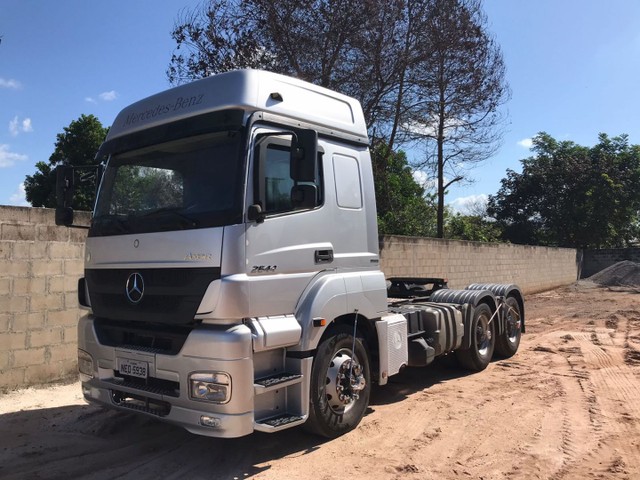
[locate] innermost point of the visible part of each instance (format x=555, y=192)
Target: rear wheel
x=483, y=339
x=340, y=385
x=508, y=342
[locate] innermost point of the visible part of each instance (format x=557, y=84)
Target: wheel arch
x=366, y=329
x=334, y=299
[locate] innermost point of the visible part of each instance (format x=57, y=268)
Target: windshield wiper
x=112, y=220
x=172, y=211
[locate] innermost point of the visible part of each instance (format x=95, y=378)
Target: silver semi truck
x=232, y=272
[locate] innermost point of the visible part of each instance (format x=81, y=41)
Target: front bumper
x=165, y=393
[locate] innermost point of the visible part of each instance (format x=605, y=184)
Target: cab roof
x=250, y=91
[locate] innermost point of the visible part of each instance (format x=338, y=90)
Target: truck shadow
x=84, y=441
x=416, y=379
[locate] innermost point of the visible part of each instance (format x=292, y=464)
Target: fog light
x=85, y=363
x=212, y=387
x=207, y=421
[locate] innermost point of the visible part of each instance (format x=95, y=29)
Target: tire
x=507, y=344
x=330, y=416
x=483, y=340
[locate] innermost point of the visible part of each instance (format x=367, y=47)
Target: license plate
x=133, y=368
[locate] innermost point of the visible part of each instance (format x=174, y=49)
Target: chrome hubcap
x=513, y=325
x=344, y=381
x=483, y=335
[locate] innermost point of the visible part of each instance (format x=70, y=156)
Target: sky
x=573, y=67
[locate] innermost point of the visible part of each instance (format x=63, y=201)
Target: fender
x=472, y=298
x=330, y=295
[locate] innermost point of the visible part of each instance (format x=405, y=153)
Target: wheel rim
x=513, y=323
x=344, y=382
x=484, y=334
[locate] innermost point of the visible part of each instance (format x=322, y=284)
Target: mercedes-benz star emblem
x=135, y=288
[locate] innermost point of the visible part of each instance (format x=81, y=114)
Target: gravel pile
x=621, y=274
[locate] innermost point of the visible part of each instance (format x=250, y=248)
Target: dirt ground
x=567, y=405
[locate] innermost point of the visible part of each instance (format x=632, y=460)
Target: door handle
x=324, y=256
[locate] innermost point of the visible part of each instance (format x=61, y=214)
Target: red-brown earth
x=567, y=405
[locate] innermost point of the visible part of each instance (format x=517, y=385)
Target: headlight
x=212, y=387
x=85, y=363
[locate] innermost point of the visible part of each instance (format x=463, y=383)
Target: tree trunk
x=440, y=140
x=440, y=232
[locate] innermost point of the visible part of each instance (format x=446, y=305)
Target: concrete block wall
x=597, y=260
x=40, y=264
x=533, y=269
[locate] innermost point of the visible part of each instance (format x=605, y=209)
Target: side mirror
x=254, y=214
x=64, y=216
x=304, y=196
x=304, y=155
x=64, y=195
x=66, y=180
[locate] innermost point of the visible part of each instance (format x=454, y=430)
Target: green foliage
x=40, y=187
x=573, y=196
x=403, y=207
x=474, y=228
x=76, y=146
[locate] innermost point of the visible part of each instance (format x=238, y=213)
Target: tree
x=572, y=196
x=409, y=62
x=459, y=87
x=403, y=207
x=358, y=47
x=76, y=146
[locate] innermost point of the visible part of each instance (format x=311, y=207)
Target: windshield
x=188, y=183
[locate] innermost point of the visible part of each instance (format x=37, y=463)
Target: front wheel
x=483, y=340
x=340, y=385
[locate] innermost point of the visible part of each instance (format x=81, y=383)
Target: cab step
x=279, y=422
x=272, y=382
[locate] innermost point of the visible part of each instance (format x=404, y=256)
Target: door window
x=274, y=189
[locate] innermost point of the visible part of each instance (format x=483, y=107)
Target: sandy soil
x=566, y=406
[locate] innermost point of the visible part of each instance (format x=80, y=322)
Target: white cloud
x=10, y=83
x=8, y=158
x=19, y=197
x=108, y=96
x=426, y=181
x=16, y=126
x=13, y=127
x=431, y=129
x=420, y=177
x=526, y=143
x=470, y=204
x=26, y=125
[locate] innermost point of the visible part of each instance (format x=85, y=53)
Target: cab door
x=289, y=236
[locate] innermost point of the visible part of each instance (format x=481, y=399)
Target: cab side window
x=277, y=180
x=274, y=189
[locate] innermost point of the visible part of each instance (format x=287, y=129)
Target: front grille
x=149, y=338
x=140, y=403
x=171, y=295
x=151, y=385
